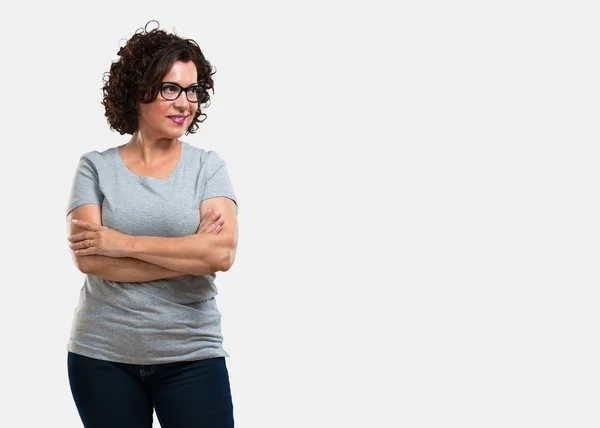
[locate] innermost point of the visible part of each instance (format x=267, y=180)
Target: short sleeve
x=218, y=182
x=86, y=185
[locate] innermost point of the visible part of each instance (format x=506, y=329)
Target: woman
x=151, y=222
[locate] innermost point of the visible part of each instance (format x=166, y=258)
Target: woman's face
x=169, y=119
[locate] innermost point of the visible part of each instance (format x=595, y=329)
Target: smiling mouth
x=178, y=119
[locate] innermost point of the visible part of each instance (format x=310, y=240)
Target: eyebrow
x=185, y=87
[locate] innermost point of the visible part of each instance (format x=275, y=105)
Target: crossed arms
x=148, y=258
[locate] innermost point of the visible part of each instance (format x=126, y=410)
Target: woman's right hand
x=211, y=223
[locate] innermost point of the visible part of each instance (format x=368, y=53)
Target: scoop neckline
x=150, y=177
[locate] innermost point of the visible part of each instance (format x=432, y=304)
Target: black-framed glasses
x=171, y=91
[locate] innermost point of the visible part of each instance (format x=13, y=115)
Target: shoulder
x=207, y=159
x=96, y=158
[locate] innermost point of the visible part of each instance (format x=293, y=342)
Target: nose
x=181, y=101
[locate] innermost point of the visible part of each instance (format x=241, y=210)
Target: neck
x=151, y=149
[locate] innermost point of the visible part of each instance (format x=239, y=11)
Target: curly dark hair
x=137, y=75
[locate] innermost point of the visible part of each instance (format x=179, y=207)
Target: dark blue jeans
x=186, y=394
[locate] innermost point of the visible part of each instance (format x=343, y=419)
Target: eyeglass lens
x=171, y=91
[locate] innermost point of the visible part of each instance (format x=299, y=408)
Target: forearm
x=126, y=269
x=199, y=254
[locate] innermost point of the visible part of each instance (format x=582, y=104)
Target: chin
x=177, y=134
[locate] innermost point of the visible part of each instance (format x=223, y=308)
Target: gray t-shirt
x=163, y=321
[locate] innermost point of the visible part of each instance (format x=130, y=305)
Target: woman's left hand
x=99, y=240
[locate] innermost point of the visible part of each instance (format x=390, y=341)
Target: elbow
x=83, y=264
x=80, y=263
x=227, y=259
